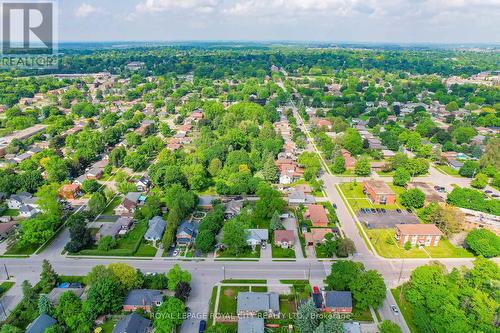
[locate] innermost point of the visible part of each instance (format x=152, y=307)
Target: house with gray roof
x=250, y=303
x=129, y=204
x=257, y=237
x=251, y=325
x=132, y=323
x=142, y=299
x=186, y=233
x=40, y=324
x=119, y=227
x=300, y=198
x=337, y=302
x=233, y=208
x=156, y=228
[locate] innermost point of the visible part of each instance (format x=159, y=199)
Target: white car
x=394, y=309
x=176, y=253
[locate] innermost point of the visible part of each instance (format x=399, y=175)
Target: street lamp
x=224, y=271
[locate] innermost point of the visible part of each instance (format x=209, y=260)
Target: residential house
x=379, y=192
x=27, y=211
x=257, y=237
x=317, y=215
x=322, y=123
x=477, y=220
x=40, y=324
x=142, y=299
x=94, y=173
x=120, y=227
x=129, y=204
x=431, y=195
x=132, y=323
x=156, y=228
x=6, y=229
x=252, y=303
x=70, y=191
x=300, y=198
x=349, y=161
x=143, y=184
x=317, y=236
x=388, y=153
x=378, y=165
x=250, y=325
x=418, y=234
x=454, y=163
x=337, y=302
x=232, y=208
x=56, y=293
x=284, y=238
x=17, y=200
x=186, y=233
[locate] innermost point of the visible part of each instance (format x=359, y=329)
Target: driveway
x=291, y=224
x=266, y=253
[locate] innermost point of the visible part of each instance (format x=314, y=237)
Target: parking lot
x=384, y=219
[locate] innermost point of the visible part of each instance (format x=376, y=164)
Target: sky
x=381, y=21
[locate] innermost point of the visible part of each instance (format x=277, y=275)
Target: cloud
x=86, y=10
x=158, y=6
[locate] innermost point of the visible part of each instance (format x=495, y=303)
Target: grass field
x=247, y=254
x=357, y=199
x=127, y=245
x=279, y=252
x=112, y=205
x=5, y=286
x=10, y=212
x=227, y=299
x=446, y=169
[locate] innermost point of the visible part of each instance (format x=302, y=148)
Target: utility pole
x=6, y=271
x=224, y=271
x=3, y=309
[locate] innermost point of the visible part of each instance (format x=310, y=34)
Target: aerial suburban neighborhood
x=251, y=187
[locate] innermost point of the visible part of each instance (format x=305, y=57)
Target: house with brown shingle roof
x=284, y=238
x=317, y=215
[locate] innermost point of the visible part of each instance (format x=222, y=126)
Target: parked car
x=409, y=210
x=398, y=210
x=488, y=191
x=384, y=210
x=395, y=309
x=203, y=325
x=494, y=195
x=334, y=206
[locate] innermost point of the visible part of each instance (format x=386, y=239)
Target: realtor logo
x=28, y=33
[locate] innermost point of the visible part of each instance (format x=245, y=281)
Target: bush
x=473, y=199
x=407, y=246
x=413, y=198
x=106, y=243
x=483, y=242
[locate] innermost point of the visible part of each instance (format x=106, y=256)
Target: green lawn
x=17, y=249
x=10, y=212
x=5, y=286
x=405, y=308
x=112, y=205
x=145, y=250
x=279, y=252
x=361, y=315
x=247, y=254
x=386, y=246
x=288, y=305
x=108, y=326
x=127, y=245
x=446, y=169
x=227, y=299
